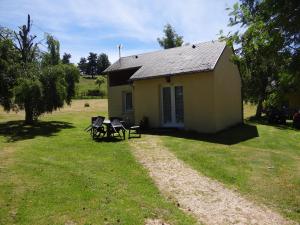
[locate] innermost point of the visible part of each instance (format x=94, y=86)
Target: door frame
x=173, y=112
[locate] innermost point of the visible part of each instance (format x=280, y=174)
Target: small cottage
x=193, y=87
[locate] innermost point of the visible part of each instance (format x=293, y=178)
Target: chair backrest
x=97, y=121
x=116, y=121
x=127, y=123
x=93, y=119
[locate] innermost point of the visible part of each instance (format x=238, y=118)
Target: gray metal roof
x=185, y=59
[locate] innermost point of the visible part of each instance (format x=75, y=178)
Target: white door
x=172, y=106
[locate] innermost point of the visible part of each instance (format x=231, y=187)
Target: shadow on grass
x=18, y=130
x=108, y=139
x=234, y=135
x=264, y=121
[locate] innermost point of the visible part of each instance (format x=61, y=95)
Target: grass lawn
x=261, y=161
x=53, y=173
x=86, y=84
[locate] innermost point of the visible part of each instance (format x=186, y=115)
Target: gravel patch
x=207, y=200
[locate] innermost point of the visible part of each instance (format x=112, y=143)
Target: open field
x=260, y=161
x=54, y=173
x=86, y=84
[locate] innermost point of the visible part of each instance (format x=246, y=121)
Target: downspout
x=242, y=94
x=108, y=91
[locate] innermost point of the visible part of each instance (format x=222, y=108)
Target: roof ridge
x=168, y=49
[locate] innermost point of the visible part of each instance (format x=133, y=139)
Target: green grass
x=85, y=84
x=53, y=173
x=261, y=161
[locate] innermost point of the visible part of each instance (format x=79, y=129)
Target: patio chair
x=96, y=128
x=136, y=129
x=116, y=127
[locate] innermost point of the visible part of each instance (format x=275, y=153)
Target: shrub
x=86, y=104
x=277, y=115
x=99, y=81
x=95, y=92
x=144, y=123
x=296, y=120
x=275, y=108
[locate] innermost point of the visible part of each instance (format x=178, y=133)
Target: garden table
x=108, y=125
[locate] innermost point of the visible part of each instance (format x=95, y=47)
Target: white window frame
x=173, y=116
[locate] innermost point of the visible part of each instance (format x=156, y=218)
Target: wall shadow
x=233, y=135
x=264, y=121
x=17, y=130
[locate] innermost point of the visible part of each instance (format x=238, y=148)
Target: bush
x=296, y=120
x=275, y=109
x=86, y=104
x=144, y=123
x=277, y=115
x=95, y=92
x=99, y=81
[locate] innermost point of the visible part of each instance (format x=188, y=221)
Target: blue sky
x=84, y=26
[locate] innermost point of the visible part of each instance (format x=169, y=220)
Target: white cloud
x=98, y=25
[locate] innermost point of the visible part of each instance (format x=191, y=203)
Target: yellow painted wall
x=115, y=102
x=147, y=102
x=198, y=100
x=228, y=102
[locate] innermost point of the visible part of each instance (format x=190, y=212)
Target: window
x=127, y=101
x=172, y=106
x=179, y=104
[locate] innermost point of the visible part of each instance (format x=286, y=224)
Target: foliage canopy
x=171, y=38
x=266, y=49
x=26, y=82
x=94, y=64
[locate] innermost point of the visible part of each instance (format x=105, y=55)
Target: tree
x=265, y=49
x=102, y=63
x=99, y=81
x=9, y=69
x=52, y=57
x=92, y=64
x=71, y=77
x=58, y=84
x=25, y=82
x=66, y=58
x=46, y=90
x=28, y=94
x=82, y=65
x=25, y=43
x=171, y=39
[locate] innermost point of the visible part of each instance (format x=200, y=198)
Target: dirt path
x=208, y=200
x=155, y=222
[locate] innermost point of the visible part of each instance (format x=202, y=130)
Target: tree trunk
x=28, y=115
x=259, y=108
x=261, y=99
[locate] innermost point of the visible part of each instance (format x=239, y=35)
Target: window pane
x=128, y=101
x=167, y=114
x=179, y=104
